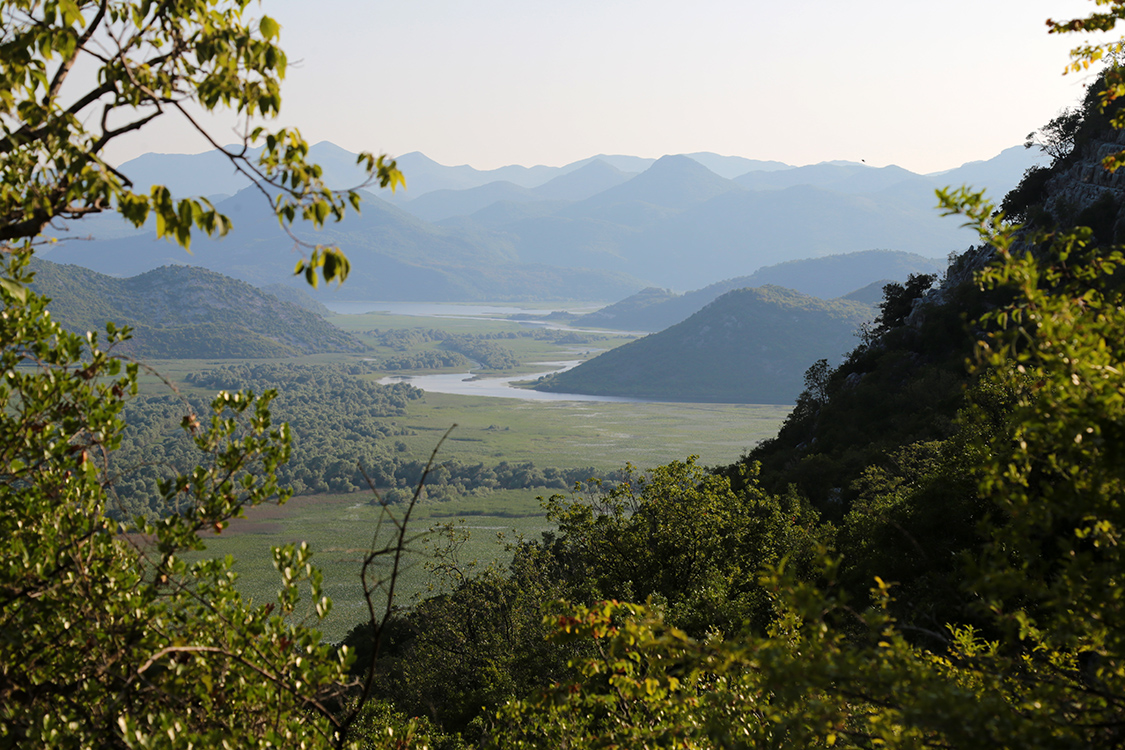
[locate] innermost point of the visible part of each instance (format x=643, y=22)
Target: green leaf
x=16, y=290
x=269, y=27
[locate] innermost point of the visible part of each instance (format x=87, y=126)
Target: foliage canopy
x=108, y=637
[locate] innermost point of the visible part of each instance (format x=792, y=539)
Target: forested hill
x=748, y=346
x=895, y=401
x=186, y=312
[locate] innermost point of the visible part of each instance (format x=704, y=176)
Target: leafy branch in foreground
x=109, y=636
x=151, y=59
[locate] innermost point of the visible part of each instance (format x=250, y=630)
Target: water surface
x=466, y=384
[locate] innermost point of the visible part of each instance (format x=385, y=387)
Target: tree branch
x=64, y=69
x=398, y=548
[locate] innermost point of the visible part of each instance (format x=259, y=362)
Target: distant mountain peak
x=678, y=161
x=589, y=179
x=673, y=181
x=597, y=165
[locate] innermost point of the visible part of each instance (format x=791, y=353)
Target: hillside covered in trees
x=187, y=312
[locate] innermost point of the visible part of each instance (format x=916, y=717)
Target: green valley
x=814, y=495
x=493, y=469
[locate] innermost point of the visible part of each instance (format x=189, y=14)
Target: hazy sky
x=925, y=84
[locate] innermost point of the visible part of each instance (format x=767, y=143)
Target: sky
x=923, y=84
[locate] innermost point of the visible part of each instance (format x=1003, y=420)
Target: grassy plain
x=601, y=435
x=341, y=529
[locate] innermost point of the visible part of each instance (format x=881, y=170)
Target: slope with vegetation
x=748, y=346
x=187, y=312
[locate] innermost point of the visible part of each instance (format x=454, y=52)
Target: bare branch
x=64, y=68
x=109, y=135
x=397, y=547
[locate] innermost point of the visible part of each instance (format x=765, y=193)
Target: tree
x=113, y=640
x=684, y=537
x=1057, y=138
x=109, y=637
x=898, y=300
x=152, y=59
x=1085, y=55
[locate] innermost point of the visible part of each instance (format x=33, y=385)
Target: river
x=440, y=309
x=466, y=384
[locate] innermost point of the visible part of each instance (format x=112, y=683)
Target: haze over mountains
x=857, y=277
x=602, y=228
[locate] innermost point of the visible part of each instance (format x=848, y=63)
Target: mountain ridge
x=675, y=225
x=186, y=311
x=828, y=277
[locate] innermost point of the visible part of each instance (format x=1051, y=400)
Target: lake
x=465, y=383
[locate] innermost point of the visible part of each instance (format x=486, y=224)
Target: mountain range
x=854, y=276
x=598, y=229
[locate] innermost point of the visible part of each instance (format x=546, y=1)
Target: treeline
x=451, y=479
x=490, y=355
x=344, y=439
x=425, y=359
x=273, y=375
x=479, y=347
